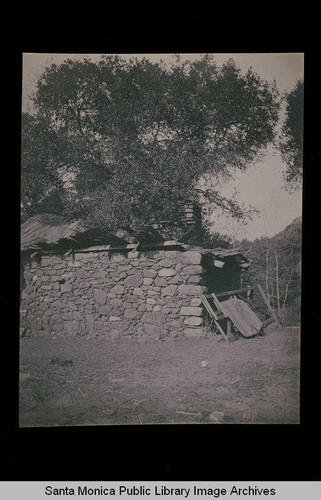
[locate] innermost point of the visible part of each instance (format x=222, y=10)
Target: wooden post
x=235, y=291
x=272, y=313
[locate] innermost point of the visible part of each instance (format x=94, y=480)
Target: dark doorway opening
x=223, y=275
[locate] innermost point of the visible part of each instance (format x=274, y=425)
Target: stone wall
x=148, y=294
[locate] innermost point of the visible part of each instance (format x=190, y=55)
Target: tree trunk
x=287, y=286
x=277, y=285
x=267, y=271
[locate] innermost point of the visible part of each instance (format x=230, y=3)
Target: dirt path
x=88, y=381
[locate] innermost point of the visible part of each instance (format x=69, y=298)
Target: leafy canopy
x=124, y=142
x=291, y=143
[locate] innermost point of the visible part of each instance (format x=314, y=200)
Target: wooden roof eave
x=168, y=244
x=133, y=246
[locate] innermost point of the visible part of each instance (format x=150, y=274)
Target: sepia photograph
x=161, y=239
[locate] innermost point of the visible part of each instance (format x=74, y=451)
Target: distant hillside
x=276, y=265
x=293, y=230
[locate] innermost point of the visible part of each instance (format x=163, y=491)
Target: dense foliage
x=291, y=143
x=120, y=142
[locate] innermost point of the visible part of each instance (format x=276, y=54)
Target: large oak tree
x=124, y=142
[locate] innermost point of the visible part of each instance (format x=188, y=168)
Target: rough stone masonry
x=152, y=294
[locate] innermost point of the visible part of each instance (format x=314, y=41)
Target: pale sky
x=261, y=185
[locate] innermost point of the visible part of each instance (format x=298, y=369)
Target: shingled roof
x=47, y=229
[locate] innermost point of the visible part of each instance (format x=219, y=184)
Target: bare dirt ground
x=92, y=381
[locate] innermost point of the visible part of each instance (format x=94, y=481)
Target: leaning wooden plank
x=242, y=317
x=253, y=307
x=272, y=313
x=217, y=314
x=216, y=302
x=251, y=318
x=208, y=307
x=212, y=313
x=220, y=329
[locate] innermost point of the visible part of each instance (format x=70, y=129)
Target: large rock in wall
x=152, y=294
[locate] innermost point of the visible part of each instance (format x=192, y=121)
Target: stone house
x=76, y=281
